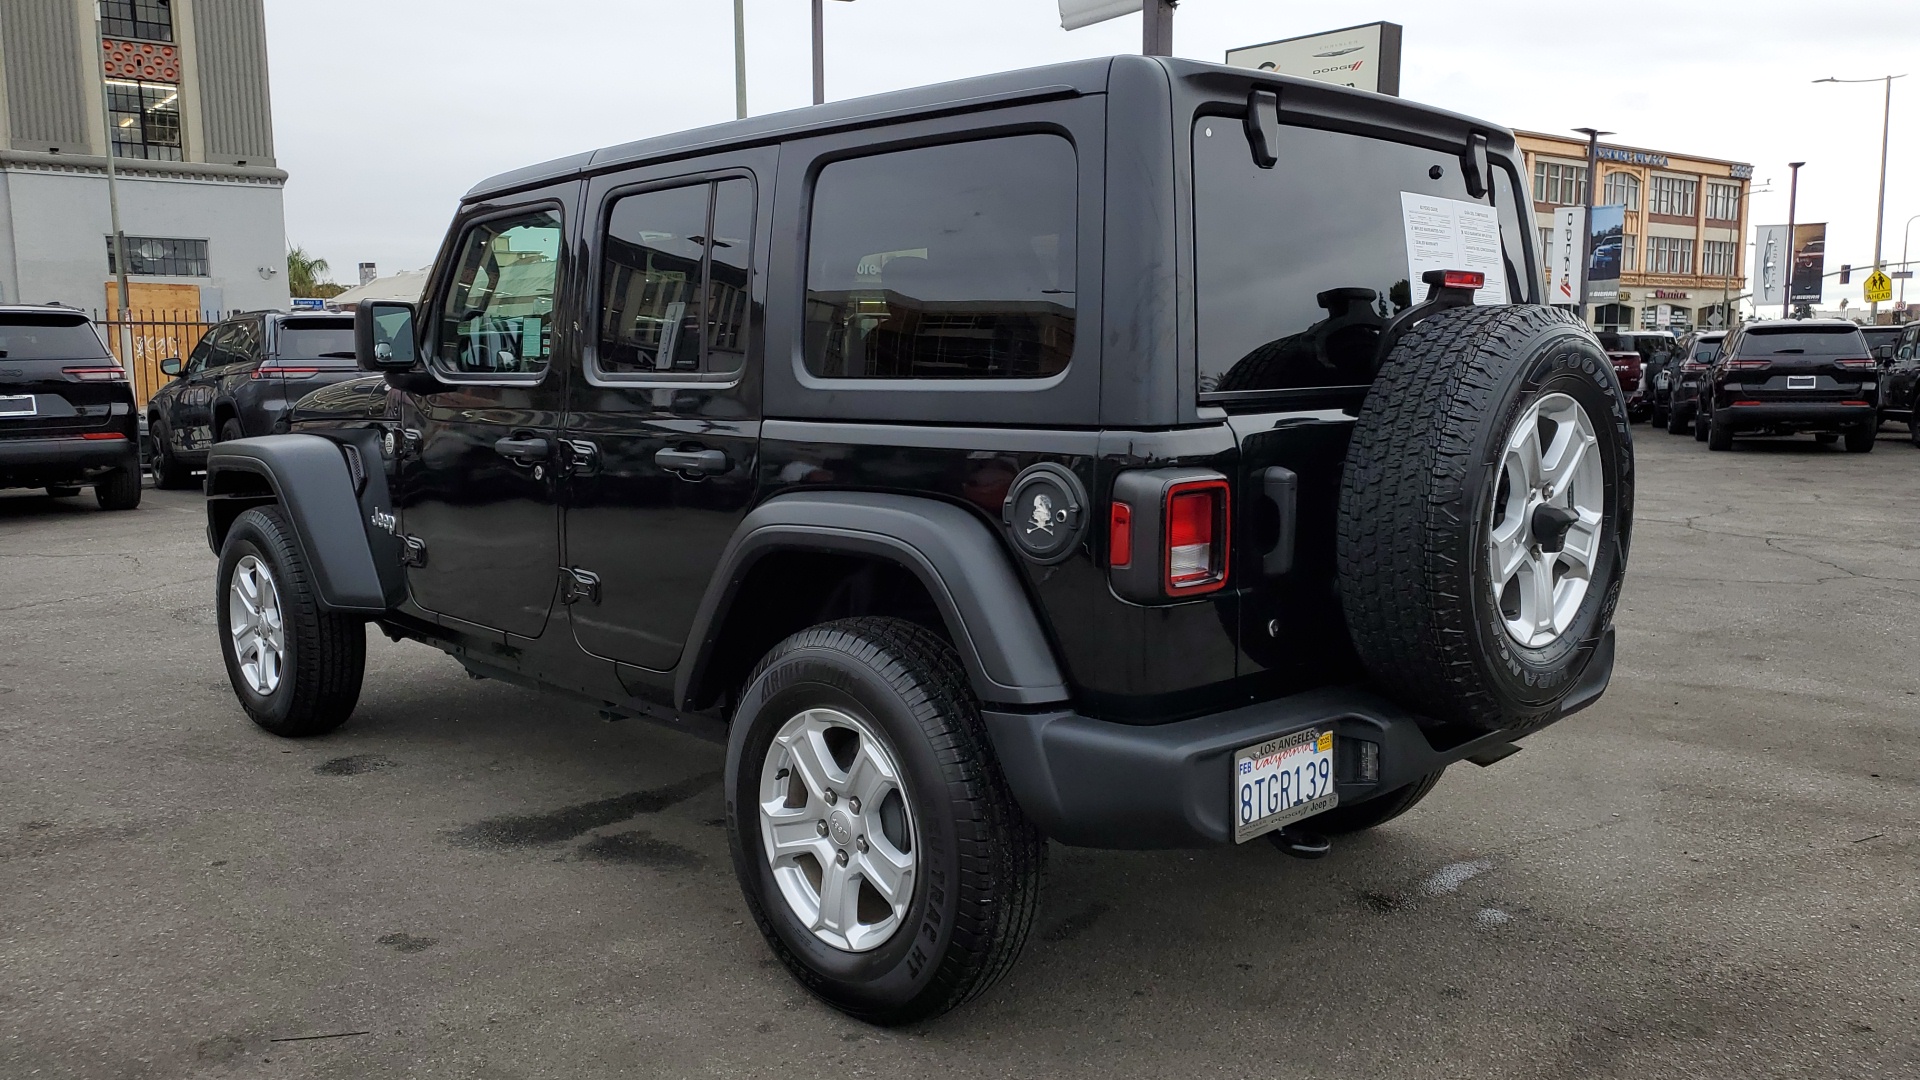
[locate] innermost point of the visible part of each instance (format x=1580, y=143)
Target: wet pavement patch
x=642, y=848
x=558, y=826
x=407, y=943
x=354, y=765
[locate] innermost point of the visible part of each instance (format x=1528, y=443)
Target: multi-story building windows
x=1716, y=258
x=1673, y=196
x=162, y=256
x=146, y=119
x=1723, y=202
x=1668, y=254
x=1546, y=242
x=1630, y=252
x=1622, y=189
x=149, y=20
x=1564, y=185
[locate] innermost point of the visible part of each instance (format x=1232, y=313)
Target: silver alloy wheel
x=1544, y=534
x=254, y=620
x=837, y=829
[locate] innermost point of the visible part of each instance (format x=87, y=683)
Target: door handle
x=522, y=450
x=693, y=463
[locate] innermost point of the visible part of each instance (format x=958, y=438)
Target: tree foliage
x=307, y=275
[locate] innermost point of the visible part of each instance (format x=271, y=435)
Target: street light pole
x=1156, y=27
x=820, y=51
x=1880, y=215
x=740, y=59
x=1793, y=200
x=1906, y=234
x=1593, y=178
x=122, y=311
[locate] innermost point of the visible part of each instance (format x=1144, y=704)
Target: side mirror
x=383, y=336
x=1883, y=352
x=170, y=367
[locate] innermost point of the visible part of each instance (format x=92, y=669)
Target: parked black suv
x=66, y=409
x=1900, y=381
x=976, y=491
x=1788, y=376
x=239, y=381
x=1685, y=379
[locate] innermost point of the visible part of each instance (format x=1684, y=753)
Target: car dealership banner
x=1608, y=232
x=1564, y=255
x=1366, y=57
x=1770, y=261
x=1809, y=262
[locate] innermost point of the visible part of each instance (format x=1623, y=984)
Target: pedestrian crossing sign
x=1879, y=287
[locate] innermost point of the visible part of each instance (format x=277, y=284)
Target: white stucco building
x=200, y=197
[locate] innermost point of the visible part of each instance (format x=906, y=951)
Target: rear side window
x=1803, y=341
x=1298, y=267
x=1706, y=352
x=944, y=262
x=674, y=281
x=33, y=336
x=327, y=342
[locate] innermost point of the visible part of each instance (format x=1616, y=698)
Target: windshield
x=52, y=336
x=328, y=342
x=1803, y=341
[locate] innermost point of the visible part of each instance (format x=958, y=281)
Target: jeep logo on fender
x=385, y=522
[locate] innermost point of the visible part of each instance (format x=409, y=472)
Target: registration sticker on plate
x=17, y=405
x=1280, y=781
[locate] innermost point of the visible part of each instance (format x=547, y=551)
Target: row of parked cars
x=1830, y=378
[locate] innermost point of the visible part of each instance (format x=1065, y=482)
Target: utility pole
x=1793, y=200
x=1156, y=27
x=819, y=52
x=1880, y=215
x=1593, y=181
x=123, y=304
x=740, y=59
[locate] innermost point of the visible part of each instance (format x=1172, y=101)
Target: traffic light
x=1846, y=273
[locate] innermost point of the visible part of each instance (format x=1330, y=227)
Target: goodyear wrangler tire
x=1485, y=514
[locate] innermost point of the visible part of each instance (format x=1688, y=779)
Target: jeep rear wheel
x=295, y=668
x=1485, y=513
x=876, y=842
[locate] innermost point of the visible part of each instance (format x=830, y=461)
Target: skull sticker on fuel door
x=1045, y=513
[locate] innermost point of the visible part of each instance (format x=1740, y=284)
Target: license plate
x=17, y=405
x=1800, y=382
x=1280, y=781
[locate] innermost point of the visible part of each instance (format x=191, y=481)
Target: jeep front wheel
x=1485, y=511
x=295, y=668
x=876, y=842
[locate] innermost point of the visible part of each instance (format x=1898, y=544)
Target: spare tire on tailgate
x=1485, y=513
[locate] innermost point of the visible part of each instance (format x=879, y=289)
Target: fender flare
x=353, y=570
x=954, y=555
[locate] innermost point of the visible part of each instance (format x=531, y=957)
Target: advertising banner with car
x=1809, y=262
x=1608, y=232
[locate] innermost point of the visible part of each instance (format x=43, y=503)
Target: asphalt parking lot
x=1715, y=872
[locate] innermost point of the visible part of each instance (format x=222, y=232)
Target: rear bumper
x=1093, y=783
x=32, y=462
x=1812, y=413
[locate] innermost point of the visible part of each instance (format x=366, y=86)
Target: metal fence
x=153, y=335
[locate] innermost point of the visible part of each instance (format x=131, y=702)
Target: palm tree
x=306, y=274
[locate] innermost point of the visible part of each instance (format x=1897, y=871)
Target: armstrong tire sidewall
x=249, y=537
x=1530, y=682
x=883, y=979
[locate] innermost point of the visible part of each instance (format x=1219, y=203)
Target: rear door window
x=944, y=262
x=674, y=280
x=33, y=336
x=1803, y=341
x=1298, y=267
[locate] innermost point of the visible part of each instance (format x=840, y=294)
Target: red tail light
x=1120, y=535
x=1197, y=534
x=1693, y=365
x=1463, y=279
x=96, y=374
x=267, y=371
x=1860, y=364
x=1747, y=365
x=102, y=435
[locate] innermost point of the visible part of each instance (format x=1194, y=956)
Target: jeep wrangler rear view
x=1132, y=453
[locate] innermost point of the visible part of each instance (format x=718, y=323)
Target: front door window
x=498, y=318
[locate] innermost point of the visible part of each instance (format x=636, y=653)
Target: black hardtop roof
x=66, y=310
x=1080, y=77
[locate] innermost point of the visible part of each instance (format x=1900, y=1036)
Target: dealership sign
x=1364, y=57
x=1566, y=256
x=1770, y=266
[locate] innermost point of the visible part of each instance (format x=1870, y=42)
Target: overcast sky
x=385, y=112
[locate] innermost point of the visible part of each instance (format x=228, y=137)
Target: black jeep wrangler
x=1133, y=453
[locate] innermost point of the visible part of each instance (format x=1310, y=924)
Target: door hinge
x=413, y=551
x=577, y=584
